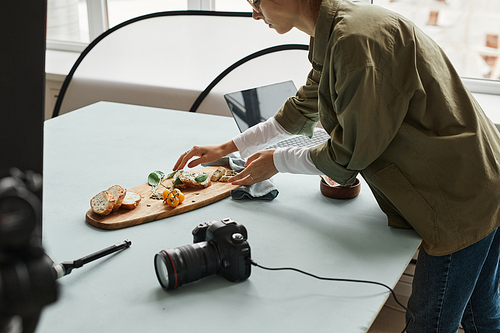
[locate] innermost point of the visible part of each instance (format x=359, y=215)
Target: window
x=67, y=21
x=122, y=10
x=72, y=24
x=467, y=30
x=232, y=6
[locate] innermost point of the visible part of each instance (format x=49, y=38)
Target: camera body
x=27, y=280
x=230, y=240
x=219, y=247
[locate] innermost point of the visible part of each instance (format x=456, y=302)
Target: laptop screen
x=252, y=106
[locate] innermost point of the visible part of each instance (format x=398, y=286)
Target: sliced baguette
x=118, y=193
x=131, y=200
x=221, y=171
x=224, y=178
x=102, y=203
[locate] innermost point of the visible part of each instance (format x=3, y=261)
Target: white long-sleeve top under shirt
x=270, y=132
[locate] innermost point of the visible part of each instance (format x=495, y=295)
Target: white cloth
x=270, y=132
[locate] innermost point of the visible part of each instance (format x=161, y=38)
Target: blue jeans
x=458, y=288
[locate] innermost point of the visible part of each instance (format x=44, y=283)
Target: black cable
x=412, y=318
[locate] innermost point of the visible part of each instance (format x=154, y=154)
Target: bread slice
x=188, y=179
x=224, y=178
x=102, y=203
x=118, y=193
x=221, y=171
x=131, y=200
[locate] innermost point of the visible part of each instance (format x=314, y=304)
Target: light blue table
x=104, y=144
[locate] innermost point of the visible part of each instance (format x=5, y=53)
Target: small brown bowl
x=332, y=189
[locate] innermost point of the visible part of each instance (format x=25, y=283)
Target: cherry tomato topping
x=173, y=197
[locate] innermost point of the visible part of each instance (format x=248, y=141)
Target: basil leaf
x=201, y=178
x=177, y=181
x=170, y=175
x=155, y=177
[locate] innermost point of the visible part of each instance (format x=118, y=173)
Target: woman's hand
x=206, y=154
x=259, y=167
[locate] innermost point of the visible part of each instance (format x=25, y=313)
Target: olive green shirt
x=399, y=115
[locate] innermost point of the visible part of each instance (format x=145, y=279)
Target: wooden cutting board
x=152, y=209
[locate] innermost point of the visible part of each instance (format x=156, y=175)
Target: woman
x=399, y=115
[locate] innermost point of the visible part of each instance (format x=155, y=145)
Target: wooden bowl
x=332, y=189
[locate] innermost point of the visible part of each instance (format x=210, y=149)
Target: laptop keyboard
x=303, y=141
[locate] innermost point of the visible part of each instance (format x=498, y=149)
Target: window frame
x=97, y=12
x=482, y=86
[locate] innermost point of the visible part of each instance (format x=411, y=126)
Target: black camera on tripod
x=27, y=280
x=219, y=247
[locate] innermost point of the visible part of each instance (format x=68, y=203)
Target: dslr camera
x=219, y=247
x=27, y=280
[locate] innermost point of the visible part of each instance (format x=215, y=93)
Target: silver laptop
x=252, y=106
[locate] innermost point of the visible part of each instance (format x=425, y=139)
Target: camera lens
x=185, y=264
